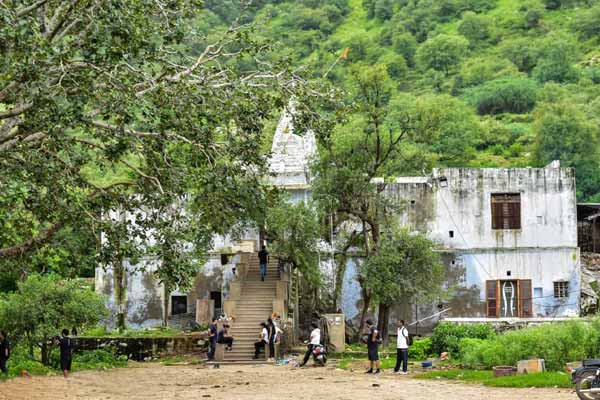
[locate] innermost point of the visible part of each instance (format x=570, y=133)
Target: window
x=561, y=290
x=509, y=298
x=178, y=305
x=506, y=211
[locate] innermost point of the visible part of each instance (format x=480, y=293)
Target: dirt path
x=153, y=381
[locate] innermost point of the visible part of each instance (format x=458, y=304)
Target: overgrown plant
x=43, y=305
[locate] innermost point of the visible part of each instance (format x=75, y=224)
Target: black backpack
x=409, y=338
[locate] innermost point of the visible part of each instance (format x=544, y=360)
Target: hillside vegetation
x=501, y=82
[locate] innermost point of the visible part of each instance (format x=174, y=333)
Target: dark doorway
x=178, y=305
x=216, y=296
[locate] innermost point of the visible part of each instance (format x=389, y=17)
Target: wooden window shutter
x=491, y=299
x=525, y=298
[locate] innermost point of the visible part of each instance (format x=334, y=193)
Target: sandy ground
x=155, y=381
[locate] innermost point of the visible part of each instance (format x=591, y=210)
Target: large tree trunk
x=166, y=293
x=383, y=323
x=363, y=316
x=119, y=273
x=45, y=352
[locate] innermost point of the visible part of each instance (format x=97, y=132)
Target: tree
x=374, y=143
x=448, y=129
x=406, y=266
x=293, y=231
x=101, y=102
x=442, y=52
x=43, y=305
x=587, y=23
x=565, y=133
x=557, y=54
x=475, y=27
x=505, y=95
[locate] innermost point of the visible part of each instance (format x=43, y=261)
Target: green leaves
x=43, y=305
x=405, y=266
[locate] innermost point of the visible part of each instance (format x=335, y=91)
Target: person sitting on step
x=225, y=338
x=263, y=340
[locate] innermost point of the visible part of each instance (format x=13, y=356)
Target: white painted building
x=508, y=237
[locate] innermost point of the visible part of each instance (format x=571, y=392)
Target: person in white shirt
x=315, y=340
x=402, y=349
x=263, y=340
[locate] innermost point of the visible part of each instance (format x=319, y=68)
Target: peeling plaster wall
x=143, y=300
x=544, y=250
x=144, y=295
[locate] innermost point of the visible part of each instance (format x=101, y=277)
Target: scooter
x=587, y=380
x=319, y=355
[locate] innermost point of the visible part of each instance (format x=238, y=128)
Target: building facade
x=508, y=239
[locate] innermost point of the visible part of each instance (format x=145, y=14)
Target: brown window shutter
x=491, y=299
x=525, y=298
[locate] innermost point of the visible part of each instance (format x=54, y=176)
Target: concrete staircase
x=255, y=305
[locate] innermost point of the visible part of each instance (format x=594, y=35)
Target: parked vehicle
x=319, y=355
x=587, y=380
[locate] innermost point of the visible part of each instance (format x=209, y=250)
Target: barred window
x=561, y=290
x=506, y=211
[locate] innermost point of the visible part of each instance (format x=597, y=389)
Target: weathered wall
x=143, y=300
x=543, y=250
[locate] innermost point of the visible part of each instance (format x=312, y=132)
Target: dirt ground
x=155, y=381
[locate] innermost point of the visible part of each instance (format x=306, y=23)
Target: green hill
x=505, y=82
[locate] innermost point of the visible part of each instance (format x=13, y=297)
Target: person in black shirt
x=213, y=336
x=373, y=348
x=225, y=338
x=263, y=258
x=4, y=352
x=66, y=350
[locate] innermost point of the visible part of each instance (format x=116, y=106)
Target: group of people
x=216, y=336
x=270, y=335
x=402, y=344
x=64, y=342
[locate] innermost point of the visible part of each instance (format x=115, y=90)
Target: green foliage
x=447, y=337
x=564, y=132
x=420, y=349
x=556, y=343
x=475, y=27
x=541, y=380
x=405, y=44
x=294, y=232
x=506, y=95
x=587, y=23
x=442, y=52
x=405, y=266
x=556, y=55
x=45, y=304
x=101, y=331
x=21, y=360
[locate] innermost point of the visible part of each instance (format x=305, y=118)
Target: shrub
x=557, y=344
x=420, y=349
x=396, y=65
x=442, y=52
x=587, y=23
x=447, y=337
x=507, y=95
x=475, y=27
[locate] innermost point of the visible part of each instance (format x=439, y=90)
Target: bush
x=557, y=344
x=447, y=337
x=420, y=349
x=475, y=27
x=507, y=95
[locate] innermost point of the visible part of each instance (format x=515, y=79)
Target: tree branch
x=37, y=241
x=18, y=110
x=27, y=10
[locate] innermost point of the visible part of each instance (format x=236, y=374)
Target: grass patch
x=541, y=380
x=101, y=332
